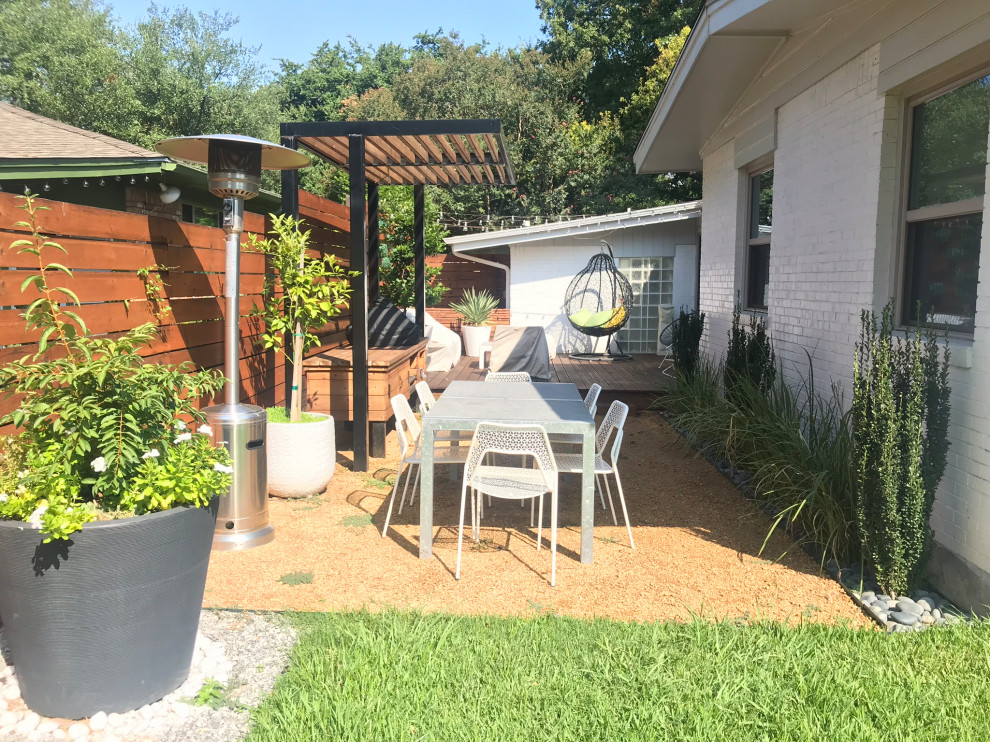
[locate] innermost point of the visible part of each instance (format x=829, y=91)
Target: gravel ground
x=245, y=652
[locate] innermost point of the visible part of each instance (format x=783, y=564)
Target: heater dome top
x=196, y=150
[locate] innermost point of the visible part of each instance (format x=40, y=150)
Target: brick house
x=844, y=153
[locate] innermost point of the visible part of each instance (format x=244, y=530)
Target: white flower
x=221, y=468
x=152, y=454
x=3, y=498
x=21, y=489
x=99, y=464
x=35, y=518
x=22, y=473
x=183, y=437
x=179, y=425
x=205, y=429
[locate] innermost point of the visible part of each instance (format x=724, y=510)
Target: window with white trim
x=652, y=282
x=950, y=138
x=758, y=241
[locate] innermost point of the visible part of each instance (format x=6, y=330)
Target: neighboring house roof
x=34, y=147
x=584, y=226
x=729, y=46
x=27, y=135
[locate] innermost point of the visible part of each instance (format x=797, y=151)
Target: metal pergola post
x=419, y=229
x=359, y=300
x=374, y=254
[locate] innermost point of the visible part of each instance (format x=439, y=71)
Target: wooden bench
x=328, y=384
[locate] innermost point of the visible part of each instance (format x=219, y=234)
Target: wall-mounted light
x=170, y=194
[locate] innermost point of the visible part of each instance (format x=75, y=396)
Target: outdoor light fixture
x=234, y=164
x=170, y=194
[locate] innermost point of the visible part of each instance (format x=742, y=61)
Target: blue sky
x=293, y=29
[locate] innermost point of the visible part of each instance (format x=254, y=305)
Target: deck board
x=640, y=375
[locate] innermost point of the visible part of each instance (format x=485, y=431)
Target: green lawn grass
x=406, y=676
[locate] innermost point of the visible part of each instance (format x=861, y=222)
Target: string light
x=46, y=187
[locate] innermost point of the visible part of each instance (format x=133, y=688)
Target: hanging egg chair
x=598, y=302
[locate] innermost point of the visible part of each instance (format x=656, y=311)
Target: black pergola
x=416, y=153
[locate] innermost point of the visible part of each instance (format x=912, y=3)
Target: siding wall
x=541, y=272
x=835, y=251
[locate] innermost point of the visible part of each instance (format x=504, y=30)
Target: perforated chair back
x=508, y=376
x=525, y=440
x=406, y=424
x=615, y=420
x=425, y=394
x=591, y=398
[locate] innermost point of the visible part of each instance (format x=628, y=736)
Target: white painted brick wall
x=542, y=271
x=831, y=190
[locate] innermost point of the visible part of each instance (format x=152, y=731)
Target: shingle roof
x=27, y=136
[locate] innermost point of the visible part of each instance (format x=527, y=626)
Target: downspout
x=475, y=259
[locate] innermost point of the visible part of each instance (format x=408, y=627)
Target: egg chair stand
x=597, y=304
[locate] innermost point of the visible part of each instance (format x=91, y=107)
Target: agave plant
x=476, y=307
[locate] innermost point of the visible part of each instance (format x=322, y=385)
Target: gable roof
x=585, y=226
x=28, y=136
x=729, y=45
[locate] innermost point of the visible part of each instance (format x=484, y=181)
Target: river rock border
x=237, y=659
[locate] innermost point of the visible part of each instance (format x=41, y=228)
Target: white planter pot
x=474, y=336
x=301, y=457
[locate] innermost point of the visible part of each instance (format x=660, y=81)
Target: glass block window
x=652, y=280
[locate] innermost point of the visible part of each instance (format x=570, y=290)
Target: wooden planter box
x=328, y=384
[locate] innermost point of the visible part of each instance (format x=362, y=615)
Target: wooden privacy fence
x=182, y=291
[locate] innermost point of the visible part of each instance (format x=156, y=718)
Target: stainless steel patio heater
x=234, y=164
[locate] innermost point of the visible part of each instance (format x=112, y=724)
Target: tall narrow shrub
x=900, y=428
x=749, y=356
x=686, y=343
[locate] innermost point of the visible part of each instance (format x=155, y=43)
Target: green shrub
x=686, y=343
x=900, y=422
x=749, y=355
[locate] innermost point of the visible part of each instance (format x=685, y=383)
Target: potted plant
x=108, y=492
x=476, y=310
x=302, y=295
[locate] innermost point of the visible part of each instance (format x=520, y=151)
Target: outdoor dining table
x=558, y=408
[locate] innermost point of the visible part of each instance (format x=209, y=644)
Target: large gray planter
x=106, y=621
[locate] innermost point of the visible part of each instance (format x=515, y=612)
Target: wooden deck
x=637, y=380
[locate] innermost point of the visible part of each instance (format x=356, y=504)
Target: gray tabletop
x=557, y=407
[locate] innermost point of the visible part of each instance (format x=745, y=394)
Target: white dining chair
x=426, y=401
x=571, y=463
x=408, y=429
x=573, y=439
x=508, y=376
x=510, y=482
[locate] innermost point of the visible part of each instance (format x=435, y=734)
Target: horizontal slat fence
x=106, y=249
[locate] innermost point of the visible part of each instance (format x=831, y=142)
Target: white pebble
x=59, y=734
x=47, y=726
x=182, y=710
x=114, y=719
x=28, y=723
x=78, y=731
x=3, y=705
x=12, y=692
x=10, y=719
x=146, y=711
x=98, y=722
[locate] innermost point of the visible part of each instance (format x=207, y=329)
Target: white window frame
x=909, y=216
x=752, y=192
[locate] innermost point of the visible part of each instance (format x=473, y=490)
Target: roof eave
x=58, y=167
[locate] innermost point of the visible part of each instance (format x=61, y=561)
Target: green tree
x=618, y=38
x=398, y=247
x=191, y=78
x=64, y=59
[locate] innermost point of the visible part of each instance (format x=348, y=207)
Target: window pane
x=949, y=148
x=758, y=277
x=944, y=258
x=761, y=205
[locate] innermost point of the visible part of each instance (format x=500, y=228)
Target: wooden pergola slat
x=377, y=153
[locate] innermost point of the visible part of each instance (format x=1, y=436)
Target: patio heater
x=234, y=164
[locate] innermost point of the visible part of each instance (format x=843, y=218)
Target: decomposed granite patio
x=697, y=551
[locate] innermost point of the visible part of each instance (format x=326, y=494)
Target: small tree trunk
x=295, y=400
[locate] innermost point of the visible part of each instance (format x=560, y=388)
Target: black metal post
x=374, y=256
x=359, y=300
x=290, y=207
x=419, y=236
